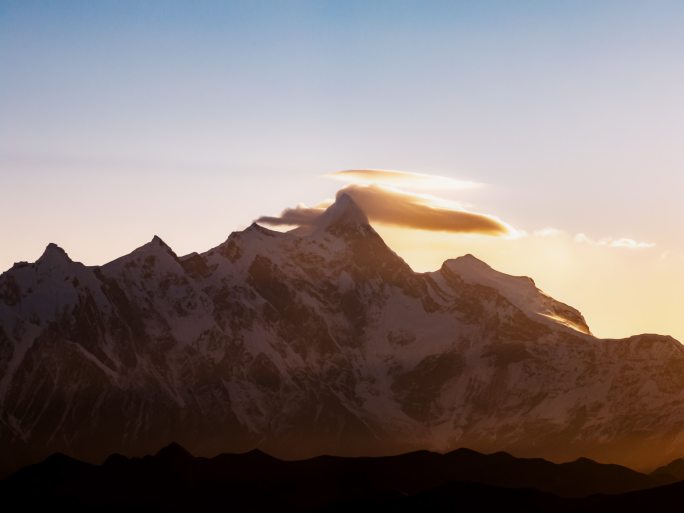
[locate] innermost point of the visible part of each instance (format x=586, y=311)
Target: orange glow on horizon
x=620, y=291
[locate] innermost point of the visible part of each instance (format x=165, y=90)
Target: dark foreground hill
x=463, y=480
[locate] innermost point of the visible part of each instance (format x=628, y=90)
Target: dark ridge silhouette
x=173, y=453
x=464, y=480
x=673, y=471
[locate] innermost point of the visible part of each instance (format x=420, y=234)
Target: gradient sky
x=120, y=120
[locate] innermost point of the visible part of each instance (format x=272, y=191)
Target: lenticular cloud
x=400, y=208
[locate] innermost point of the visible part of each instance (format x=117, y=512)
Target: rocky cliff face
x=318, y=341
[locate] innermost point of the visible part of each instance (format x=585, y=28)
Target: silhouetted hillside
x=173, y=480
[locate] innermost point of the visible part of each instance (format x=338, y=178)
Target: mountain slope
x=318, y=341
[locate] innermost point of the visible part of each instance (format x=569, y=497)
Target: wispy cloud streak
x=610, y=242
x=402, y=179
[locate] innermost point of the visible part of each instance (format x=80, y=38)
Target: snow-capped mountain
x=318, y=340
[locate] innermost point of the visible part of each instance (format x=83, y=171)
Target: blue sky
x=191, y=119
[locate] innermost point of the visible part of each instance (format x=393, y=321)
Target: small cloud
x=400, y=208
x=405, y=179
x=631, y=244
x=301, y=215
x=624, y=243
x=547, y=232
x=583, y=239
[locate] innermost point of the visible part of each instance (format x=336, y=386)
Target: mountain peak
x=156, y=248
x=173, y=452
x=156, y=245
x=343, y=214
x=521, y=291
x=159, y=243
x=257, y=228
x=469, y=260
x=472, y=268
x=54, y=255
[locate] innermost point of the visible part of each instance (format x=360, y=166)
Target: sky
x=124, y=119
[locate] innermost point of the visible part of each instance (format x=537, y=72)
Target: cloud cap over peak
x=399, y=208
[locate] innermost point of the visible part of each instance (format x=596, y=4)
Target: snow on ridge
x=521, y=291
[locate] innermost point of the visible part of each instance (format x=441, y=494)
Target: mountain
x=318, y=341
x=673, y=471
x=174, y=480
